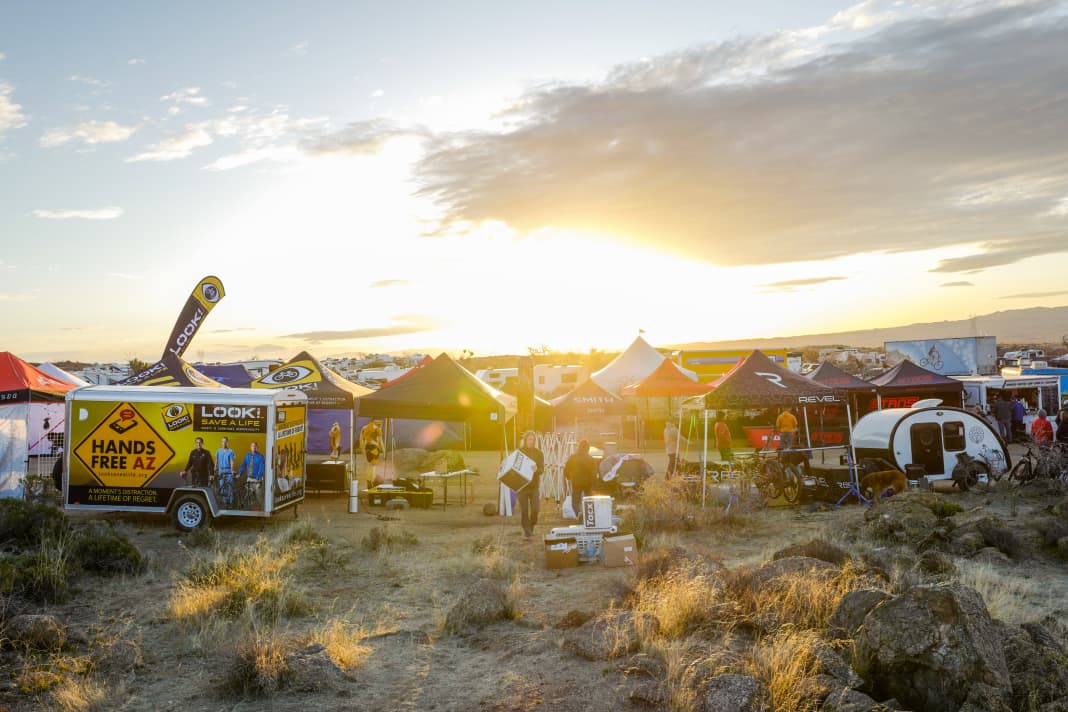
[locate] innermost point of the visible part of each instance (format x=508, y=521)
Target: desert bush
x=343, y=643
x=786, y=662
x=24, y=525
x=815, y=549
x=45, y=574
x=683, y=598
x=257, y=666
x=383, y=538
x=100, y=549
x=303, y=533
x=1004, y=540
x=201, y=538
x=82, y=694
x=666, y=507
x=943, y=508
x=325, y=556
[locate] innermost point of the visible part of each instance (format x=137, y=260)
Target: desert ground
x=383, y=610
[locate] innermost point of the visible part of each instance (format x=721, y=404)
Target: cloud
x=300, y=48
x=786, y=147
x=97, y=214
x=956, y=284
x=89, y=80
x=863, y=16
x=135, y=60
x=361, y=137
x=9, y=297
x=403, y=325
x=188, y=95
x=1006, y=252
x=377, y=93
x=802, y=282
x=1036, y=295
x=11, y=116
x=230, y=331
x=88, y=132
x=174, y=148
x=390, y=283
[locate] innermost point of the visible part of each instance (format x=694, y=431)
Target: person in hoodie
x=530, y=496
x=581, y=471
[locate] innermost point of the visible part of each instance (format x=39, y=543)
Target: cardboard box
x=620, y=550
x=516, y=471
x=561, y=553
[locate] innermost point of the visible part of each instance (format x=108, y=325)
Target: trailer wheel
x=190, y=512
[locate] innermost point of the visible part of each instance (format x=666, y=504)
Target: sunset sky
x=491, y=176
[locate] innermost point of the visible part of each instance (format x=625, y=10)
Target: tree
x=137, y=365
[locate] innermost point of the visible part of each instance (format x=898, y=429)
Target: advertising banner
x=949, y=357
x=289, y=455
x=202, y=300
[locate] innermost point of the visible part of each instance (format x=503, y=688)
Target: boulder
x=649, y=693
x=833, y=664
x=848, y=700
x=612, y=635
x=907, y=517
x=929, y=646
x=36, y=632
x=815, y=549
x=792, y=565
x=118, y=657
x=984, y=698
x=937, y=563
x=483, y=602
x=991, y=556
x=735, y=693
x=1037, y=664
x=312, y=670
x=854, y=606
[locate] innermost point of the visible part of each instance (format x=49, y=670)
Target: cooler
x=516, y=471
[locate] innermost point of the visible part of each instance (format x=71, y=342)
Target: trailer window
x=953, y=435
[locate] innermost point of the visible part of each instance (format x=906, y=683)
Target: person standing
x=1042, y=429
x=224, y=469
x=1018, y=411
x=530, y=496
x=253, y=469
x=1003, y=414
x=1062, y=425
x=786, y=425
x=724, y=440
x=673, y=441
x=581, y=471
x=200, y=465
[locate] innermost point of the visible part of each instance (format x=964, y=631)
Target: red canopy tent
x=666, y=381
x=32, y=413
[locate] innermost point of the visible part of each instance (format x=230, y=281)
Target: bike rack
x=854, y=484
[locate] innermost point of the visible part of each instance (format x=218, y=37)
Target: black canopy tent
x=444, y=390
x=846, y=384
x=906, y=383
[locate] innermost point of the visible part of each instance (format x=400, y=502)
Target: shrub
x=257, y=666
x=1002, y=539
x=303, y=533
x=24, y=525
x=100, y=549
x=82, y=694
x=786, y=662
x=382, y=538
x=343, y=644
x=943, y=508
x=667, y=507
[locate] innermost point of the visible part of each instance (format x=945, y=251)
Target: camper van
x=932, y=436
x=129, y=447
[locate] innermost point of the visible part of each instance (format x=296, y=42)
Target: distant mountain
x=1037, y=325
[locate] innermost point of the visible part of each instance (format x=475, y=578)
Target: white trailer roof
x=170, y=394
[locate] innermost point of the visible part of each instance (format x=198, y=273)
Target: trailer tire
x=190, y=512
x=398, y=504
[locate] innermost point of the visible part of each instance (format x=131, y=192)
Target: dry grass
x=1010, y=597
x=82, y=694
x=343, y=643
x=666, y=506
x=787, y=664
x=258, y=665
x=682, y=598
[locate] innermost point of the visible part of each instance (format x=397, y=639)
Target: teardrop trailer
x=129, y=446
x=932, y=437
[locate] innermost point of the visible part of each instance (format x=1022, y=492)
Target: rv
x=129, y=447
x=931, y=436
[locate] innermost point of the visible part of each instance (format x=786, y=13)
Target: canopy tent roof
x=171, y=370
x=758, y=381
x=426, y=360
x=635, y=363
x=907, y=376
x=441, y=390
x=233, y=375
x=325, y=388
x=19, y=380
x=55, y=371
x=830, y=375
x=590, y=400
x=666, y=380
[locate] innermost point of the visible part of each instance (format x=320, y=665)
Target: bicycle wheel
x=975, y=471
x=1022, y=472
x=791, y=485
x=770, y=479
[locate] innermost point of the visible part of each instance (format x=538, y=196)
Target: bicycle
x=1042, y=462
x=934, y=359
x=224, y=489
x=994, y=461
x=771, y=476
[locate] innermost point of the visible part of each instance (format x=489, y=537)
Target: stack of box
x=595, y=539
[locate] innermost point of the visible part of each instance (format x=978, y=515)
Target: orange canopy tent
x=666, y=381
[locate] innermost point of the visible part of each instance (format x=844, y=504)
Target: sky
x=494, y=177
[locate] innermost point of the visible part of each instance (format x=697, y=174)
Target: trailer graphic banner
x=208, y=418
x=123, y=450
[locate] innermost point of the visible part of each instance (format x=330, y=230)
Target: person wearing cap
x=1042, y=429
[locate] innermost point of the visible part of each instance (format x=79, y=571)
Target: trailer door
x=926, y=440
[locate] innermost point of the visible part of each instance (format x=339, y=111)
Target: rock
x=907, y=517
x=736, y=693
x=312, y=670
x=984, y=698
x=1038, y=665
x=815, y=549
x=792, y=565
x=612, y=635
x=937, y=563
x=1060, y=705
x=36, y=632
x=643, y=665
x=831, y=663
x=929, y=646
x=853, y=607
x=847, y=700
x=649, y=692
x=120, y=657
x=1062, y=546
x=993, y=557
x=483, y=602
